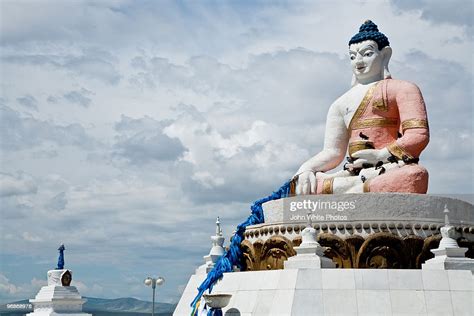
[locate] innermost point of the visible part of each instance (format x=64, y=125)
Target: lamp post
x=154, y=282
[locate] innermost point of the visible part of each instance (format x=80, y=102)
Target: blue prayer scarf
x=233, y=256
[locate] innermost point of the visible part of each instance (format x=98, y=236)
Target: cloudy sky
x=128, y=126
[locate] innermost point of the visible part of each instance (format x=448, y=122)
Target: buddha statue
x=380, y=121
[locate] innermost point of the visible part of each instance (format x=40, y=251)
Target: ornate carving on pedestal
x=297, y=241
x=268, y=255
x=354, y=243
x=337, y=249
x=413, y=246
x=429, y=243
x=391, y=230
x=382, y=251
x=258, y=246
x=275, y=251
x=464, y=243
x=250, y=257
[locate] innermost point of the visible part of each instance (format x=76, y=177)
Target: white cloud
x=81, y=286
x=438, y=11
x=28, y=101
x=58, y=202
x=38, y=283
x=17, y=184
x=6, y=287
x=142, y=145
x=10, y=291
x=28, y=237
x=92, y=65
x=24, y=131
x=79, y=97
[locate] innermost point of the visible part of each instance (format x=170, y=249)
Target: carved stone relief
x=381, y=250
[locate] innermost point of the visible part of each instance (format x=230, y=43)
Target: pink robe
x=388, y=108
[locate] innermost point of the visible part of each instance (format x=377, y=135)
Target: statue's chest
x=350, y=101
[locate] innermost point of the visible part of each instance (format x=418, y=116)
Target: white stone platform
x=371, y=206
x=364, y=214
x=341, y=292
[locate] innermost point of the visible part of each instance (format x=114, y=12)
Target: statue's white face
x=366, y=61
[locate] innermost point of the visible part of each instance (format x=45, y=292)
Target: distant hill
x=105, y=307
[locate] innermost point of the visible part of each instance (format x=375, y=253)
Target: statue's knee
x=409, y=179
x=420, y=179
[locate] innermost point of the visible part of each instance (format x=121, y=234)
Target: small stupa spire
x=218, y=227
x=447, y=232
x=217, y=249
x=446, y=212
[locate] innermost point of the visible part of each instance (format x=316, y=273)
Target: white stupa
x=449, y=256
x=310, y=254
x=216, y=251
x=58, y=297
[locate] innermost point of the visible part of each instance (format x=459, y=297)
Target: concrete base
x=308, y=262
x=449, y=259
x=341, y=292
x=58, y=300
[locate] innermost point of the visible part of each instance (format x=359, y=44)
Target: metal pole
x=153, y=302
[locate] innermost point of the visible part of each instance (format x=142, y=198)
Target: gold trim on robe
x=376, y=122
x=363, y=105
x=414, y=123
x=327, y=186
x=293, y=187
x=357, y=123
x=398, y=151
x=366, y=186
x=360, y=145
x=380, y=104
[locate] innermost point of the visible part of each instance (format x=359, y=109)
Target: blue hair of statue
x=370, y=31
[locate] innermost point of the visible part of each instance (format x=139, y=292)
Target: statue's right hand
x=305, y=182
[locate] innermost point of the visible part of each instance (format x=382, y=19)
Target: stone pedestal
x=286, y=263
x=383, y=230
x=58, y=297
x=449, y=259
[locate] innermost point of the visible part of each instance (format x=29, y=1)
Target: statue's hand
x=369, y=156
x=369, y=173
x=306, y=182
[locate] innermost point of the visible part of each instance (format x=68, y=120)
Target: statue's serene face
x=366, y=60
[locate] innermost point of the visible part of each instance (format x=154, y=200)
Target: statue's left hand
x=369, y=156
x=306, y=182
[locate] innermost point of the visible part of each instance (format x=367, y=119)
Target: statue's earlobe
x=387, y=54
